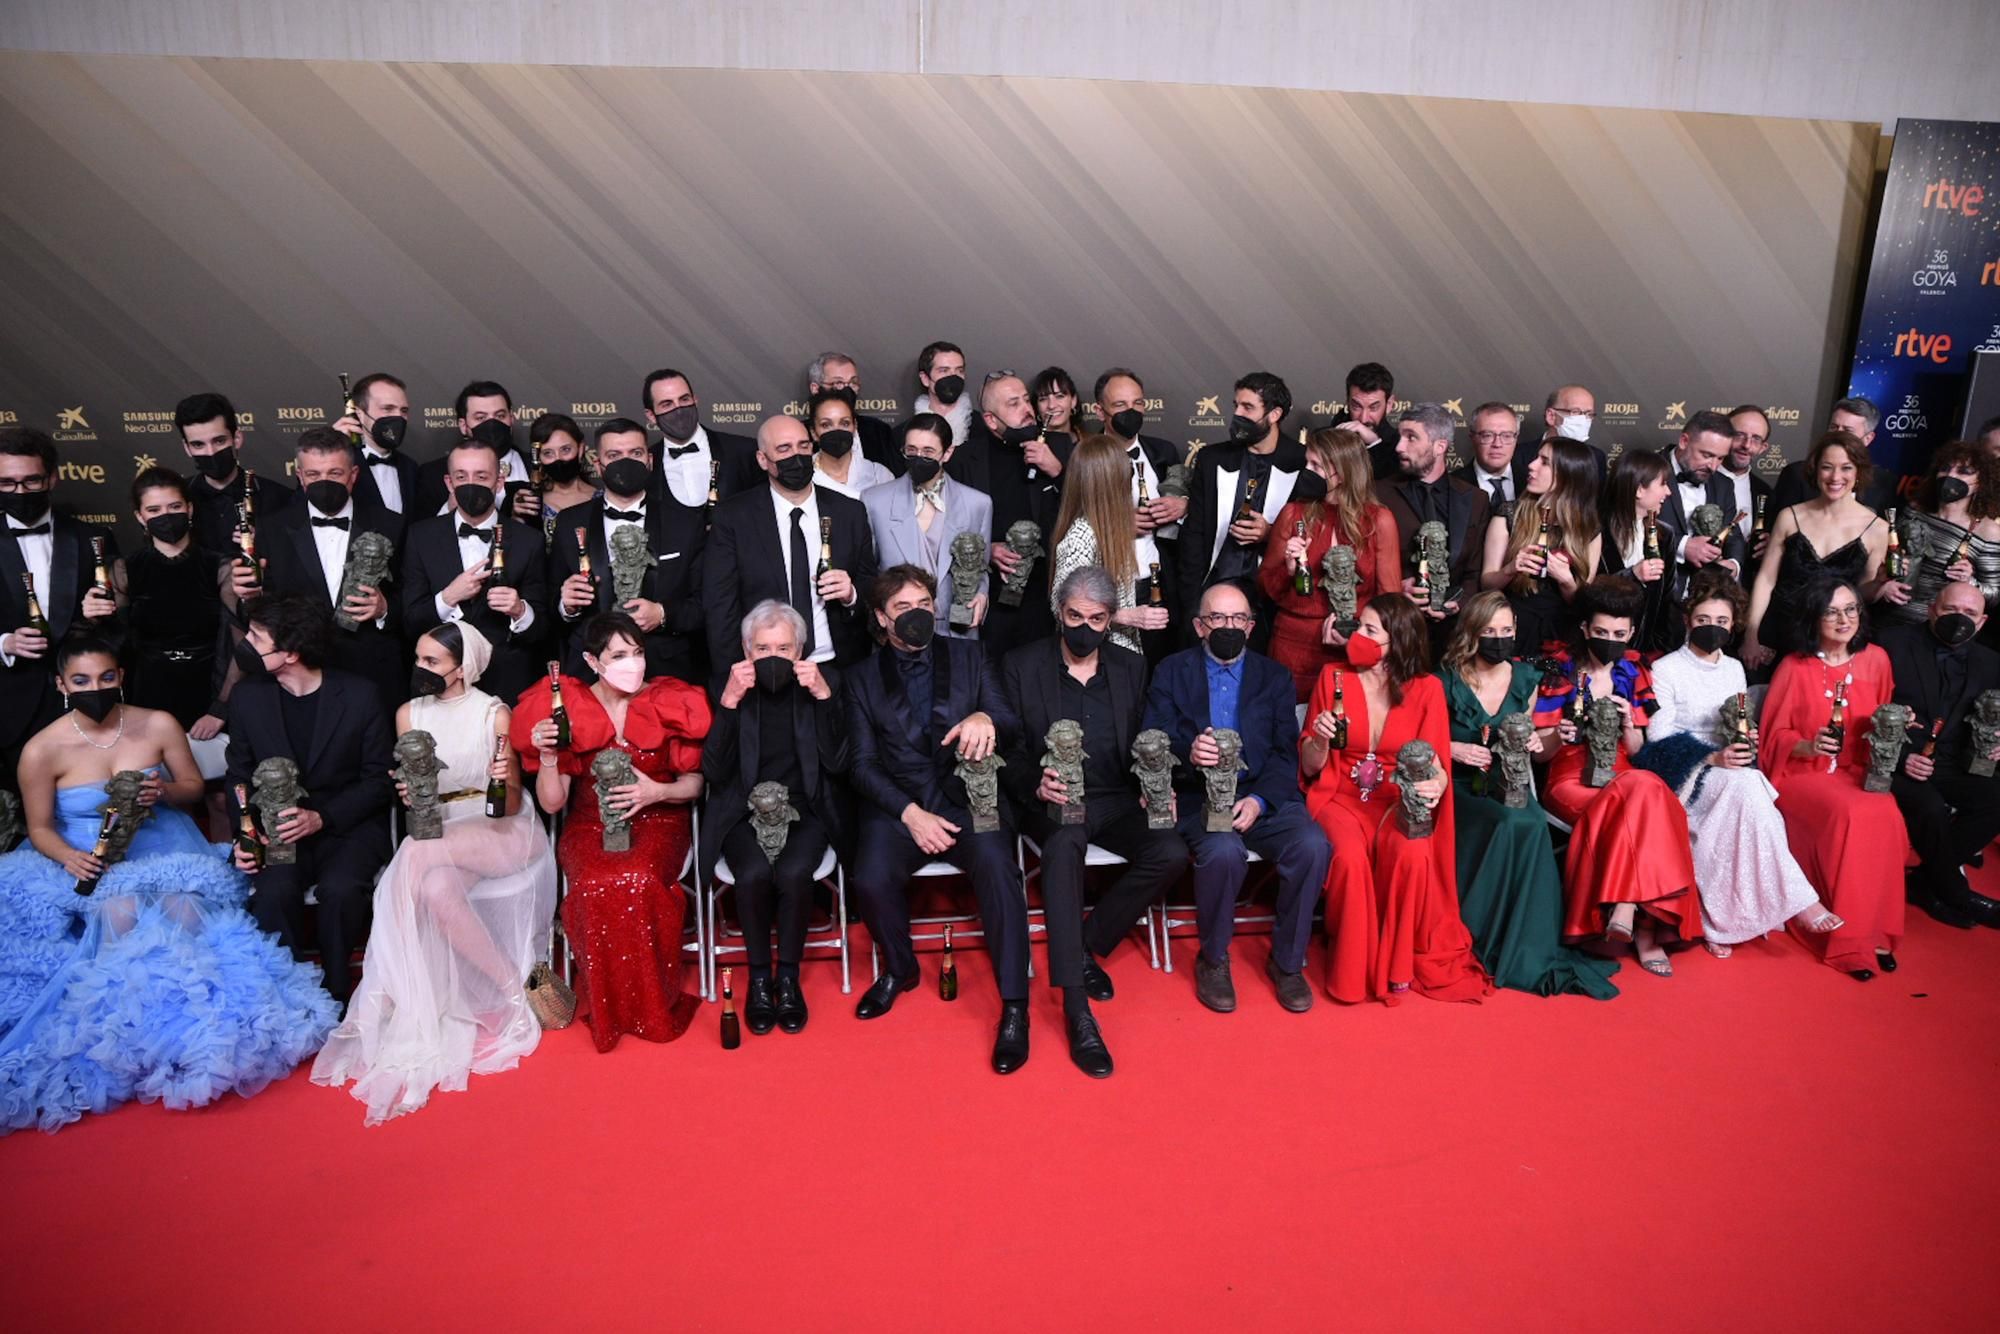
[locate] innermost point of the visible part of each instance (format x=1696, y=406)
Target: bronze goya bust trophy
x=631, y=557
x=1984, y=720
x=1339, y=577
x=368, y=558
x=275, y=788
x=1024, y=539
x=1416, y=762
x=612, y=768
x=1603, y=729
x=1220, y=803
x=1887, y=736
x=1153, y=764
x=982, y=791
x=1515, y=760
x=1065, y=756
x=968, y=567
x=417, y=769
x=771, y=816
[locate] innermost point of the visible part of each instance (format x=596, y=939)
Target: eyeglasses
x=1841, y=614
x=1238, y=620
x=923, y=454
x=991, y=376
x=11, y=485
x=1494, y=437
x=1578, y=412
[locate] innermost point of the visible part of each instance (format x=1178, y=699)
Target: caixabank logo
x=148, y=422
x=1935, y=276
x=1676, y=416
x=1207, y=412
x=73, y=426
x=735, y=414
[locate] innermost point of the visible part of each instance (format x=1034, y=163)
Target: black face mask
x=915, y=627
x=25, y=506
x=1308, y=486
x=96, y=705
x=835, y=444
x=562, y=471
x=1606, y=651
x=1496, y=648
x=496, y=433
x=424, y=681
x=795, y=472
x=1082, y=640
x=625, y=477
x=921, y=468
x=946, y=389
x=774, y=673
x=1951, y=490
x=473, y=500
x=168, y=528
x=1245, y=430
x=327, y=496
x=1709, y=638
x=679, y=423
x=1953, y=628
x=218, y=465
x=248, y=660
x=1128, y=422
x=388, y=432
x=1020, y=435
x=1226, y=643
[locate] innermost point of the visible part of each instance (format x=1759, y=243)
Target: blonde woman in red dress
x=1392, y=920
x=1851, y=843
x=622, y=911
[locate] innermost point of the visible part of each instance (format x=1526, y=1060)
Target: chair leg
x=1166, y=942
x=840, y=906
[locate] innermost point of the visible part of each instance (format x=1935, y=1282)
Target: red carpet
x=1758, y=1143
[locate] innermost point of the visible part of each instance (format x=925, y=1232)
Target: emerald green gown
x=1509, y=888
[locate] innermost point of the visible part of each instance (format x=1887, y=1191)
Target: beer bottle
x=1139, y=472
x=1930, y=742
x=948, y=974
x=249, y=502
x=87, y=885
x=714, y=482
x=1836, y=723
x=496, y=786
x=347, y=404
x=1652, y=539
x=557, y=713
x=100, y=580
x=1302, y=575
x=825, y=549
x=36, y=621
x=1339, y=712
x=535, y=477
x=583, y=555
x=1894, y=564
x=1156, y=596
x=246, y=828
x=732, y=1027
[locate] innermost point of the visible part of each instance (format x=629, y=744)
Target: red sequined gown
x=1851, y=843
x=623, y=912
x=1391, y=900
x=1295, y=632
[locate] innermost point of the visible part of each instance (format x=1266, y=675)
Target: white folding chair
x=964, y=924
x=832, y=937
x=1092, y=856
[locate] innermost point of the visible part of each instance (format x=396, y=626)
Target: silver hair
x=767, y=611
x=1435, y=420
x=1092, y=583
x=1859, y=407
x=816, y=373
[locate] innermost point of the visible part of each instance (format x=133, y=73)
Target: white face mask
x=1573, y=426
x=625, y=675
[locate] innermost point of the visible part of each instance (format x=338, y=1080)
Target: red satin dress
x=623, y=912
x=1629, y=840
x=1295, y=633
x=1391, y=900
x=1850, y=843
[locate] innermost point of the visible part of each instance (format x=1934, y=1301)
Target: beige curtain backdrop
x=255, y=226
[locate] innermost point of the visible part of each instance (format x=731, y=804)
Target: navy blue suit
x=1283, y=834
x=897, y=759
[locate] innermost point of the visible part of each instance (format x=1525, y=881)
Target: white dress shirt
x=1145, y=546
x=332, y=544
x=37, y=553
x=388, y=482
x=472, y=549
x=1484, y=480
x=781, y=508
x=687, y=475
x=1745, y=505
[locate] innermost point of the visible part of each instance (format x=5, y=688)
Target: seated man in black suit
x=1368, y=407
x=1078, y=678
x=694, y=460
x=448, y=573
x=793, y=541
x=839, y=373
x=668, y=606
x=213, y=440
x=1499, y=466
x=485, y=413
x=332, y=726
x=1951, y=814
x=381, y=417
x=777, y=721
x=924, y=703
x=304, y=548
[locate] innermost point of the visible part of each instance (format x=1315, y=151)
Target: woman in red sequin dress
x=623, y=911
x=1392, y=920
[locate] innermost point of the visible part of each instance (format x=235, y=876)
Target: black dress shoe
x=791, y=1005
x=1086, y=1045
x=1941, y=911
x=760, y=1011
x=1213, y=986
x=1981, y=909
x=1863, y=974
x=1096, y=982
x=1885, y=961
x=1293, y=991
x=875, y=1001
x=1010, y=1044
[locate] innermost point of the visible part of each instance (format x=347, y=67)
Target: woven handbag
x=551, y=998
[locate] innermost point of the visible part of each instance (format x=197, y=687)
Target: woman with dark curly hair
x=1950, y=534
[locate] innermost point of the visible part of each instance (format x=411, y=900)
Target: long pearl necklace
x=115, y=736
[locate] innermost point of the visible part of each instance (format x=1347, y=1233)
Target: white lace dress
x=1077, y=549
x=459, y=921
x=1749, y=882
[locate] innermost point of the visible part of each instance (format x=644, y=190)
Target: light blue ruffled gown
x=158, y=986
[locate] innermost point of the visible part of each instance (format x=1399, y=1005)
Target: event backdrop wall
x=256, y=226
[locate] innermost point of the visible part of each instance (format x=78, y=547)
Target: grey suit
x=892, y=513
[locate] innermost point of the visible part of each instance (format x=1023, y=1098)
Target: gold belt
x=460, y=796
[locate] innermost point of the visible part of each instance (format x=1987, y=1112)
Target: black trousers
x=1116, y=822
x=1951, y=817
x=783, y=892
x=339, y=867
x=885, y=859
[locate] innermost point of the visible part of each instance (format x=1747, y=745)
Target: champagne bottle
x=948, y=974
x=496, y=786
x=1836, y=724
x=1652, y=539
x=1302, y=575
x=1964, y=552
x=1894, y=564
x=1139, y=472
x=1930, y=742
x=535, y=475
x=1757, y=525
x=557, y=713
x=1339, y=712
x=1743, y=718
x=732, y=1027
x=1543, y=522
x=583, y=556
x=1579, y=703
x=1156, y=595
x=714, y=482
x=347, y=405
x=249, y=501
x=825, y=549
x=36, y=621
x=497, y=565
x=87, y=885
x=246, y=828
x=1423, y=584
x=100, y=579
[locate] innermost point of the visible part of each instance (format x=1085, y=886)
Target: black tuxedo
x=29, y=700
x=676, y=535
x=1674, y=527
x=1466, y=513
x=292, y=569
x=1952, y=816
x=431, y=561
x=1004, y=476
x=345, y=773
x=1215, y=491
x=430, y=492
x=406, y=470
x=737, y=467
x=746, y=562
x=1517, y=476
x=214, y=523
x=900, y=759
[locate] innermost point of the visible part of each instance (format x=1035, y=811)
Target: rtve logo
x=1935, y=348
x=1990, y=275
x=1963, y=199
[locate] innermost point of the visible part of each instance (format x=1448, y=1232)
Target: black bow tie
x=625, y=516
x=1133, y=453
x=32, y=531
x=469, y=530
x=330, y=523
x=379, y=460
x=675, y=451
x=1686, y=478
